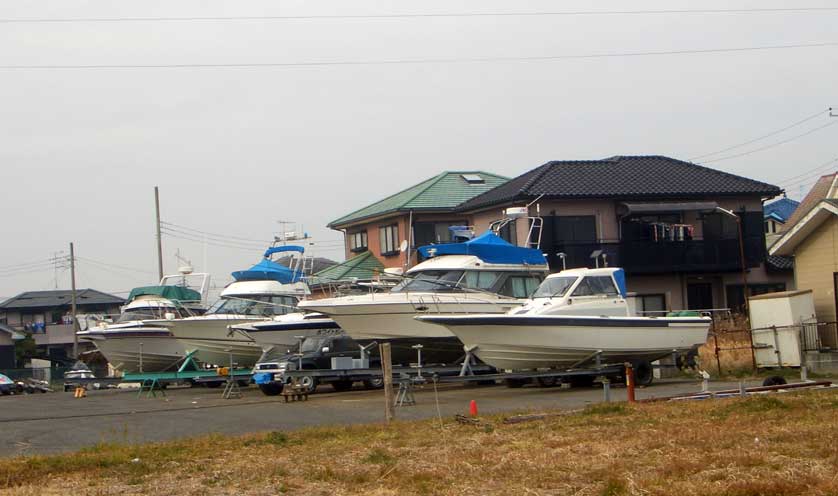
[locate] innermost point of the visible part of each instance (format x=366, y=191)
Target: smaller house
x=775, y=215
x=811, y=237
x=416, y=216
x=46, y=316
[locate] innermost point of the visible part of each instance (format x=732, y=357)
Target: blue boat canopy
x=268, y=270
x=487, y=247
x=280, y=249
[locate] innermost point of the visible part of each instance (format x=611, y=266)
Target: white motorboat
x=130, y=345
x=484, y=275
x=286, y=331
x=573, y=316
x=265, y=290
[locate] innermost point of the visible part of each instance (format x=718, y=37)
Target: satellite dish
x=403, y=246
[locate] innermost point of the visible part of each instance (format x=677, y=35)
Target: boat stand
x=405, y=397
x=468, y=360
x=150, y=387
x=231, y=389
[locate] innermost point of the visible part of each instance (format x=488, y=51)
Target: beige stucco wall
x=815, y=263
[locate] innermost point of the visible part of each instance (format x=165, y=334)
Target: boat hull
x=211, y=340
x=391, y=319
x=512, y=342
x=287, y=333
x=138, y=350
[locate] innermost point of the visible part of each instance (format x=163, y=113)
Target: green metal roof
x=363, y=266
x=441, y=192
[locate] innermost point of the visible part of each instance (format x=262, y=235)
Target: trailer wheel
x=547, y=381
x=774, y=380
x=374, y=383
x=515, y=383
x=580, y=380
x=308, y=382
x=643, y=375
x=271, y=389
x=342, y=385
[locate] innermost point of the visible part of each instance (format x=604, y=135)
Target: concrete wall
x=815, y=263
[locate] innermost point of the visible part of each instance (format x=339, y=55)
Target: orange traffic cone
x=472, y=408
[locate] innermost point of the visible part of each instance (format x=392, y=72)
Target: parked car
x=8, y=386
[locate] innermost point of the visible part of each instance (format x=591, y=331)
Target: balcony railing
x=650, y=257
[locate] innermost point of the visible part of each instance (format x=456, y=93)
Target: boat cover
x=490, y=248
x=280, y=249
x=175, y=293
x=268, y=270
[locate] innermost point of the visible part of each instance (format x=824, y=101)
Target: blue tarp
x=280, y=249
x=487, y=247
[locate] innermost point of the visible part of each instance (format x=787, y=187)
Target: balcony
x=651, y=257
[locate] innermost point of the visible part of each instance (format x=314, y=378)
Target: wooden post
x=73, y=302
x=387, y=372
x=630, y=382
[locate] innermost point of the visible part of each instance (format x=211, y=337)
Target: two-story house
x=417, y=216
x=654, y=216
x=46, y=316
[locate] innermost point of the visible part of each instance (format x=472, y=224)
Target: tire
x=547, y=381
x=580, y=380
x=6, y=392
x=309, y=383
x=774, y=380
x=214, y=384
x=271, y=389
x=515, y=383
x=374, y=383
x=342, y=385
x=643, y=375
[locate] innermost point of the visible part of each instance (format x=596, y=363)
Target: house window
x=358, y=241
x=427, y=233
x=388, y=237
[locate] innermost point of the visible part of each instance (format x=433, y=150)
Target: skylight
x=473, y=178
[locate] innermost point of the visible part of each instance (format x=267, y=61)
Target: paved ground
x=44, y=423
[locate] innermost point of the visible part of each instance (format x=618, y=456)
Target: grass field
x=772, y=444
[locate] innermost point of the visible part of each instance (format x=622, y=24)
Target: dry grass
x=777, y=445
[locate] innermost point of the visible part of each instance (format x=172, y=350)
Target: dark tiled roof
x=780, y=209
x=651, y=176
x=779, y=262
x=59, y=298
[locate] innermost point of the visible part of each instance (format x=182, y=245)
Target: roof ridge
x=350, y=214
x=717, y=171
x=431, y=182
x=538, y=174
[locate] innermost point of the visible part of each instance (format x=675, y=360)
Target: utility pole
x=73, y=301
x=159, y=238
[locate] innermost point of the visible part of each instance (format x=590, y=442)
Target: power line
x=216, y=235
x=461, y=60
x=417, y=15
x=211, y=243
x=813, y=171
x=26, y=264
x=212, y=240
x=807, y=119
x=772, y=145
x=113, y=266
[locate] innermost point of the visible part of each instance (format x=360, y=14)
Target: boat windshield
x=147, y=313
x=554, y=287
x=263, y=305
x=430, y=281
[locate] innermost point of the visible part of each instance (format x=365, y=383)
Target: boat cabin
x=580, y=292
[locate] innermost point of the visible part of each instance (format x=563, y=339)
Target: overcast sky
x=234, y=150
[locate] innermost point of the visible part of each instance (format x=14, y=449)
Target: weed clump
x=378, y=456
x=605, y=409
